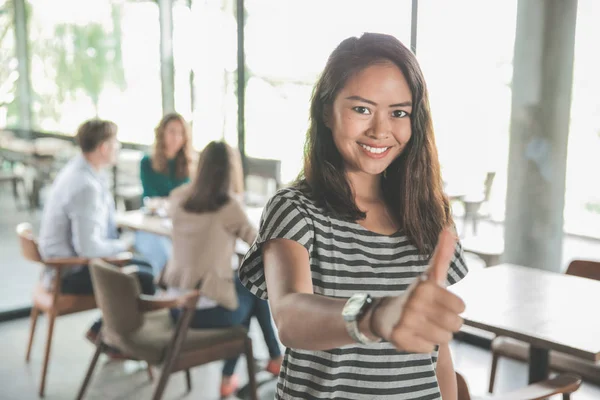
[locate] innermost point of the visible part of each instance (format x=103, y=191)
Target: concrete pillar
x=414, y=25
x=241, y=80
x=167, y=67
x=541, y=104
x=22, y=47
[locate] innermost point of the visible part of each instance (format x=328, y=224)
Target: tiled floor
x=71, y=355
x=129, y=381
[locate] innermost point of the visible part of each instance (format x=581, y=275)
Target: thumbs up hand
x=442, y=256
x=426, y=314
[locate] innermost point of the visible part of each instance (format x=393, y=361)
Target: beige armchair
x=141, y=327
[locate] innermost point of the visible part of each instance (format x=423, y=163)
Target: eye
x=362, y=110
x=400, y=114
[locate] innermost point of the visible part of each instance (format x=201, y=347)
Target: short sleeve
x=458, y=267
x=284, y=217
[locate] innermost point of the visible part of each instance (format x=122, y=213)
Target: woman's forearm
x=314, y=322
x=445, y=374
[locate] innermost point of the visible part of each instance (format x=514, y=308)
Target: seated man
x=79, y=216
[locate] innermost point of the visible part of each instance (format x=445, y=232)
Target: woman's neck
x=366, y=187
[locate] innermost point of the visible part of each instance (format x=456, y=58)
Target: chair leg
x=51, y=319
x=493, y=372
x=162, y=382
x=15, y=183
x=34, y=317
x=150, y=374
x=566, y=396
x=251, y=369
x=90, y=370
x=188, y=379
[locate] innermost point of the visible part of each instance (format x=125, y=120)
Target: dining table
x=547, y=310
x=160, y=224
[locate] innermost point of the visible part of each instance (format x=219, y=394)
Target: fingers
x=419, y=335
x=430, y=308
x=408, y=342
x=429, y=292
x=429, y=317
x=442, y=256
x=439, y=316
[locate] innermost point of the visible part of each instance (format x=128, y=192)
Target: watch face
x=353, y=306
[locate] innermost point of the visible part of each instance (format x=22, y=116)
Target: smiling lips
x=375, y=152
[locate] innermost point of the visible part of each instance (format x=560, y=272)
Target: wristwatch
x=354, y=309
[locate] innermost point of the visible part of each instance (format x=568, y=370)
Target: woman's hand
x=427, y=314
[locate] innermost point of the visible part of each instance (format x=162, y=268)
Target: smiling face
x=174, y=138
x=370, y=118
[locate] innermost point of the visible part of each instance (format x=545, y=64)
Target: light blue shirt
x=79, y=215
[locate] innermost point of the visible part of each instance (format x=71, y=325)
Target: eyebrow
x=403, y=104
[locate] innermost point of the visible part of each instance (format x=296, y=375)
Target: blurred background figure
x=160, y=172
x=208, y=219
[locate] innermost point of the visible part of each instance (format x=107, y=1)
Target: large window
x=99, y=59
x=205, y=42
x=287, y=45
x=465, y=48
x=8, y=72
x=582, y=207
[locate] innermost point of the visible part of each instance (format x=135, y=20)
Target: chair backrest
x=117, y=296
x=29, y=247
x=585, y=269
x=463, y=389
x=487, y=185
x=264, y=168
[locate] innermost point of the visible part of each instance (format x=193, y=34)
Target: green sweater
x=156, y=184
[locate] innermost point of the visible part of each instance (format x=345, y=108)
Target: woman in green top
x=167, y=168
x=169, y=165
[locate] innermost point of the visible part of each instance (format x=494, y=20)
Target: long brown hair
x=183, y=157
x=412, y=186
x=218, y=175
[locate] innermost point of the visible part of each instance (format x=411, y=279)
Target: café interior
x=513, y=88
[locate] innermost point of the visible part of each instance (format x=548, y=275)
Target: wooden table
x=550, y=311
x=138, y=220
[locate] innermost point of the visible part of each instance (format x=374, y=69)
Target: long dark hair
x=412, y=186
x=211, y=187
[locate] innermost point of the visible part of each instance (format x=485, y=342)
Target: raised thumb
x=442, y=256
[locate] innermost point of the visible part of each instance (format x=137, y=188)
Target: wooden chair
x=15, y=180
x=473, y=203
x=562, y=384
x=50, y=300
x=263, y=177
x=511, y=348
x=141, y=327
x=488, y=249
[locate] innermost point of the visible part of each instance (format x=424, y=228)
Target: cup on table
x=152, y=205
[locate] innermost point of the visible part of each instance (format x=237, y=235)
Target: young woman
x=355, y=256
x=167, y=168
x=169, y=165
x=208, y=218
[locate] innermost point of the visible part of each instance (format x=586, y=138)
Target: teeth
x=374, y=150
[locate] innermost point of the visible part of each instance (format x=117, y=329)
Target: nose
x=382, y=126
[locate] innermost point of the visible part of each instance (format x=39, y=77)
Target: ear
x=102, y=148
x=327, y=115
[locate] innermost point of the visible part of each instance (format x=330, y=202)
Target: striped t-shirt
x=345, y=258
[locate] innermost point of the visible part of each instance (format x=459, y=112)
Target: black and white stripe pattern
x=345, y=259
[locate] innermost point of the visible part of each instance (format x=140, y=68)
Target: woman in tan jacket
x=208, y=218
